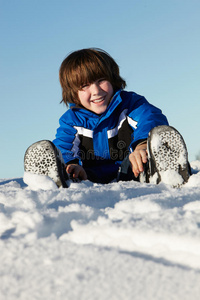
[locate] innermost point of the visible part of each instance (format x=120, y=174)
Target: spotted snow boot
x=44, y=158
x=168, y=157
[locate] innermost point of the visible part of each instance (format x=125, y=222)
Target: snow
x=171, y=176
x=125, y=240
x=38, y=182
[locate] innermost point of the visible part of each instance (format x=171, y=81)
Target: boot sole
x=45, y=159
x=168, y=157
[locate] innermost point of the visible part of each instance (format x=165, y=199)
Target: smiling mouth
x=98, y=100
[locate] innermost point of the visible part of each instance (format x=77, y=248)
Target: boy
x=103, y=136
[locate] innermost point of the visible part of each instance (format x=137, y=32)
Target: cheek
x=80, y=95
x=110, y=89
x=84, y=97
x=107, y=86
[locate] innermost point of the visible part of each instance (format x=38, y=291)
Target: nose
x=95, y=88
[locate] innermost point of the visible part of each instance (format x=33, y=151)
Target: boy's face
x=96, y=96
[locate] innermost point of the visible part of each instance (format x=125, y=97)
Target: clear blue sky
x=156, y=44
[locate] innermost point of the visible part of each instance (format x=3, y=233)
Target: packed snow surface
x=123, y=240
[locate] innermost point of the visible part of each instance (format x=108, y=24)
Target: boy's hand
x=76, y=171
x=137, y=158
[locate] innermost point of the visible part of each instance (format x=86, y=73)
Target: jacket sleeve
x=143, y=117
x=66, y=141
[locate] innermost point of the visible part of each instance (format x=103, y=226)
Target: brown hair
x=86, y=66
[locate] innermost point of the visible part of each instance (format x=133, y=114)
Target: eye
x=101, y=80
x=84, y=86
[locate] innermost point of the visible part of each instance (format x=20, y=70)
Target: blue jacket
x=91, y=139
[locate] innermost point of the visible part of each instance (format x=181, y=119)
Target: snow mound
x=123, y=240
